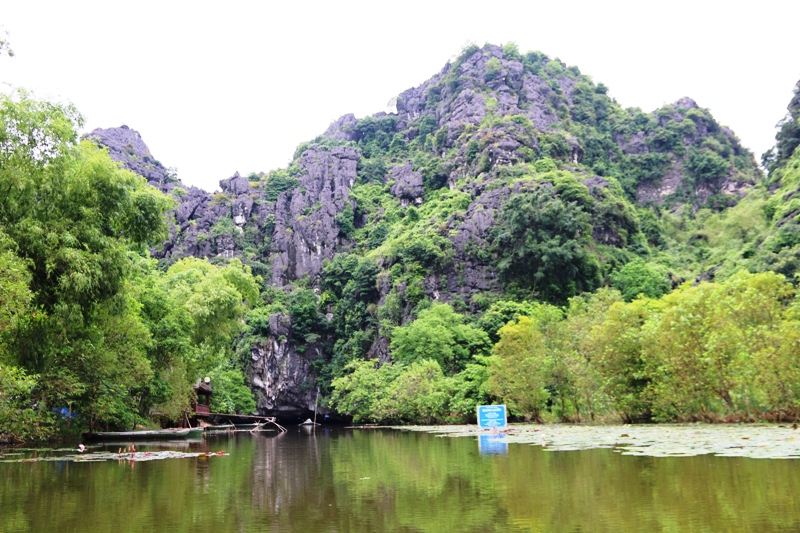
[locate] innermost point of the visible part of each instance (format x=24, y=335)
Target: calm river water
x=388, y=480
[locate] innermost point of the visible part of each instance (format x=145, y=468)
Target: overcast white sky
x=218, y=87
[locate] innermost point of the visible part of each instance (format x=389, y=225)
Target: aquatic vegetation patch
x=762, y=441
x=108, y=456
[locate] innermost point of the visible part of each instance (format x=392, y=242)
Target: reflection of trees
x=372, y=481
x=396, y=481
x=416, y=482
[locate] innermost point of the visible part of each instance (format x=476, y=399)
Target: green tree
x=345, y=221
x=231, y=394
x=702, y=348
x=15, y=295
x=706, y=166
x=277, y=182
x=639, y=277
x=356, y=392
x=518, y=368
x=419, y=394
x=504, y=311
x=776, y=357
x=215, y=298
x=469, y=391
x=616, y=348
x=19, y=421
x=542, y=243
x=305, y=315
x=211, y=303
x=439, y=334
x=76, y=221
x=170, y=350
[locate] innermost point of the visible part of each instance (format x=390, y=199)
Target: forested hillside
x=511, y=234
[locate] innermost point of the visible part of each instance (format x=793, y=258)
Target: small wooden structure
x=203, y=399
x=201, y=411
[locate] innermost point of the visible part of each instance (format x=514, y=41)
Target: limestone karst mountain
x=503, y=174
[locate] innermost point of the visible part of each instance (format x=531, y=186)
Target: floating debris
x=757, y=441
x=124, y=456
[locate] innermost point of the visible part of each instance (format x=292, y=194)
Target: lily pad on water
x=105, y=456
x=761, y=441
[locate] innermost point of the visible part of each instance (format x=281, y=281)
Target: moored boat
x=179, y=433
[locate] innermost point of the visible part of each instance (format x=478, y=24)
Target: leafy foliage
x=637, y=277
x=88, y=326
x=518, y=368
x=542, y=243
x=439, y=334
x=788, y=136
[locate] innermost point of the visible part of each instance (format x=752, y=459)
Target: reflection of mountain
x=288, y=479
x=392, y=481
x=342, y=480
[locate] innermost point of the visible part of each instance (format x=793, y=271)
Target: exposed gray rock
x=469, y=106
x=408, y=186
x=687, y=103
x=635, y=144
x=282, y=378
x=567, y=85
x=507, y=101
x=235, y=185
x=191, y=202
x=225, y=245
x=658, y=191
x=470, y=272
x=536, y=91
x=343, y=129
x=595, y=183
x=306, y=232
x=241, y=208
x=126, y=146
x=413, y=102
x=380, y=350
x=506, y=143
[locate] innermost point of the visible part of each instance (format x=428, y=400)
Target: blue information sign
x=491, y=416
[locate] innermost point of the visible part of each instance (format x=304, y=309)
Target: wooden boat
x=180, y=433
x=222, y=427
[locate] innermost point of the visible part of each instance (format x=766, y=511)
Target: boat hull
x=144, y=435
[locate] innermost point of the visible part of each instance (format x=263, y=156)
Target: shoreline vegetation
x=93, y=334
x=713, y=352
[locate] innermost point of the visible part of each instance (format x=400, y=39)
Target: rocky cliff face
x=299, y=229
x=126, y=146
x=306, y=231
x=479, y=128
x=283, y=378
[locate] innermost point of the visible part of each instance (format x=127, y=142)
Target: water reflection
x=376, y=480
x=493, y=444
